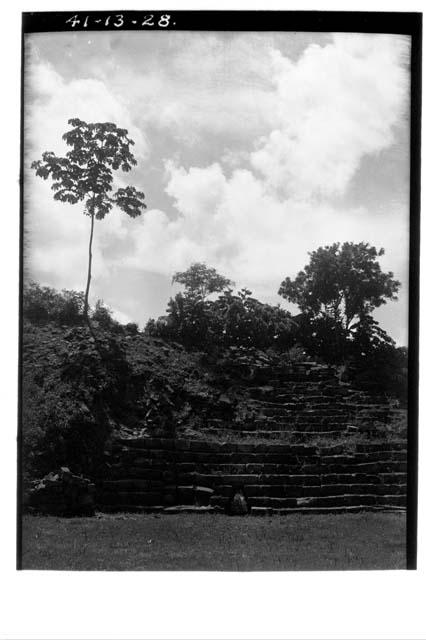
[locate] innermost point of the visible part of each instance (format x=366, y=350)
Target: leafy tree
x=85, y=174
x=200, y=280
x=343, y=283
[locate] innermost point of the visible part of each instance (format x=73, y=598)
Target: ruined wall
x=304, y=401
x=166, y=473
x=282, y=469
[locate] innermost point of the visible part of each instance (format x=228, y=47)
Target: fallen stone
x=63, y=493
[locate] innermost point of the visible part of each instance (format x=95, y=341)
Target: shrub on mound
x=70, y=389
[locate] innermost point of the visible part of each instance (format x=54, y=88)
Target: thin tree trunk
x=89, y=271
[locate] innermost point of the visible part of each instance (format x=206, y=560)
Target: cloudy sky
x=253, y=149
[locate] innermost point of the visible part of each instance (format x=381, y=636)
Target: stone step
x=303, y=376
x=254, y=511
x=290, y=491
x=270, y=434
x=130, y=484
x=386, y=446
x=301, y=415
x=383, y=466
x=307, y=403
x=268, y=511
x=288, y=425
x=231, y=457
x=363, y=478
x=135, y=498
x=143, y=443
x=143, y=452
x=123, y=472
x=271, y=453
x=330, y=501
x=313, y=397
x=275, y=477
x=307, y=386
x=130, y=508
x=187, y=508
x=266, y=468
x=366, y=467
x=374, y=462
x=350, y=500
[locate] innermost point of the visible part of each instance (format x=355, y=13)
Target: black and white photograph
x=219, y=292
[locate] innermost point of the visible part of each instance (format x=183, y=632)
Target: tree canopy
x=344, y=283
x=201, y=280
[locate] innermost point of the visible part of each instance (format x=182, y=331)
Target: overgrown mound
x=77, y=391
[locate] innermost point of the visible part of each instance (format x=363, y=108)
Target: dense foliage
x=73, y=388
x=343, y=283
x=230, y=320
x=44, y=304
x=336, y=292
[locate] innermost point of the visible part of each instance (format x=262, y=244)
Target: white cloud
x=336, y=103
x=251, y=235
x=51, y=102
x=290, y=137
x=198, y=85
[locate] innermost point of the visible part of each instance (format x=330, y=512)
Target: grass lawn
x=201, y=542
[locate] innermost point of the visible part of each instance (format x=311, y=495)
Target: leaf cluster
x=85, y=173
x=200, y=280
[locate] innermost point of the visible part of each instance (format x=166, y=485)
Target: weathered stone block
x=203, y=495
x=63, y=493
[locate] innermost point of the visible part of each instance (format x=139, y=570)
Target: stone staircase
x=306, y=402
x=271, y=457
x=170, y=475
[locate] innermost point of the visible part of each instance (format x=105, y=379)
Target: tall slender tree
x=85, y=174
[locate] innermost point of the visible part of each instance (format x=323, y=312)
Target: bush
x=232, y=320
x=131, y=328
x=43, y=304
x=370, y=357
x=103, y=316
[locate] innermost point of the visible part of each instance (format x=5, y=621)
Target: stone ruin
x=274, y=460
x=270, y=462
